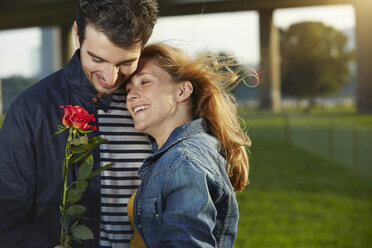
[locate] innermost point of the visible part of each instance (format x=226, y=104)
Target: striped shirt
x=126, y=148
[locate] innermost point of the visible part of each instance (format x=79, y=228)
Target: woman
x=186, y=197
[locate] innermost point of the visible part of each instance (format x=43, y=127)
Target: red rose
x=77, y=117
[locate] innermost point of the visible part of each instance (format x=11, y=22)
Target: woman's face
x=152, y=99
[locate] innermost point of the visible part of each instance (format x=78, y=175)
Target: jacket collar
x=183, y=132
x=81, y=85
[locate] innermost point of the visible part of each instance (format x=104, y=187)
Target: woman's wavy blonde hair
x=211, y=78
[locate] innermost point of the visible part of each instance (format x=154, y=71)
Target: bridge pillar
x=270, y=63
x=363, y=13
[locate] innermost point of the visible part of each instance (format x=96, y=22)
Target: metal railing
x=345, y=140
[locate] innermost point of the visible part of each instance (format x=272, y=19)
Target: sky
x=234, y=32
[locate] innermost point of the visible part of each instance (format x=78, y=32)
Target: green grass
x=300, y=200
x=2, y=116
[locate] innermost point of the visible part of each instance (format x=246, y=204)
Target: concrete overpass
x=61, y=13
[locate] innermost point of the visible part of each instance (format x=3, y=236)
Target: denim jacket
x=185, y=198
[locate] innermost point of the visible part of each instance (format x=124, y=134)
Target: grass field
x=300, y=200
x=1, y=119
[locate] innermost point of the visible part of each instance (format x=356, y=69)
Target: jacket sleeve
x=18, y=183
x=189, y=215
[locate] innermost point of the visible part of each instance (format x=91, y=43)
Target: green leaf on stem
x=76, y=211
x=80, y=157
x=92, y=143
x=82, y=232
x=60, y=130
x=86, y=168
x=71, y=135
x=81, y=131
x=82, y=140
x=96, y=172
x=79, y=149
x=97, y=141
x=76, y=239
x=74, y=194
x=65, y=221
x=75, y=223
x=81, y=186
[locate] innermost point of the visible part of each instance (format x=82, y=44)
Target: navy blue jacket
x=31, y=162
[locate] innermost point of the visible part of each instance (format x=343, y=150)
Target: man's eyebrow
x=120, y=63
x=95, y=56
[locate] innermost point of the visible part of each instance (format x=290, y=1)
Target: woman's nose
x=133, y=94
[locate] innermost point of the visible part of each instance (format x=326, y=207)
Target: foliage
x=315, y=60
x=13, y=86
x=16, y=84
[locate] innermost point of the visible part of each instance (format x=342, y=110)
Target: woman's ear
x=185, y=90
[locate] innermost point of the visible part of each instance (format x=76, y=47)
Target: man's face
x=105, y=64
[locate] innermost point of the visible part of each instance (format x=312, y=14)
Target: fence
x=345, y=140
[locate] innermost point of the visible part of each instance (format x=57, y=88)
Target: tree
x=315, y=60
x=12, y=87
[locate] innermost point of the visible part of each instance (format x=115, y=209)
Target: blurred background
x=309, y=118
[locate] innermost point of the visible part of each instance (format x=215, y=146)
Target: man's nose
x=111, y=74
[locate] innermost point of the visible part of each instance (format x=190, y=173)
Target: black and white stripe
x=126, y=148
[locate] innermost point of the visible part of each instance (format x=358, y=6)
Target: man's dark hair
x=124, y=22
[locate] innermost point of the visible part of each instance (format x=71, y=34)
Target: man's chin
x=106, y=90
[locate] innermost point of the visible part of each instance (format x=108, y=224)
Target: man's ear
x=76, y=35
x=184, y=91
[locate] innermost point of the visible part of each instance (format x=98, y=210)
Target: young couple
x=179, y=193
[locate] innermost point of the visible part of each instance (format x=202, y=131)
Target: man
x=110, y=35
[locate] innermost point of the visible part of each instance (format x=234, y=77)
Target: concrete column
x=363, y=13
x=67, y=44
x=270, y=63
x=50, y=50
